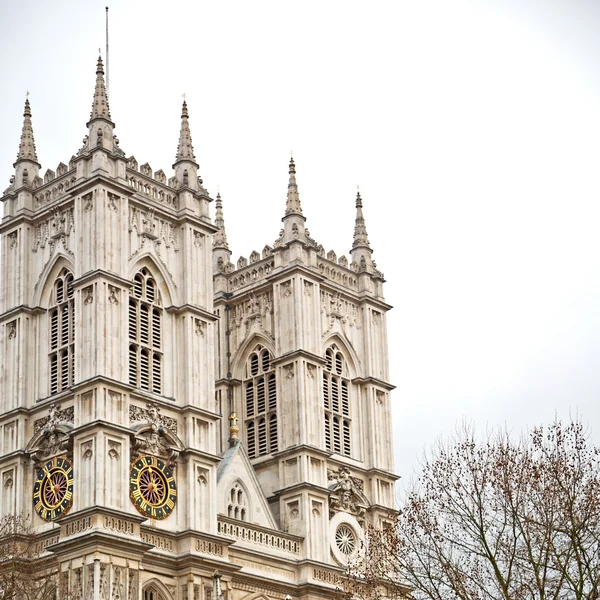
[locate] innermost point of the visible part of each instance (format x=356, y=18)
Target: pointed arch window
x=237, y=506
x=145, y=334
x=260, y=404
x=62, y=333
x=336, y=402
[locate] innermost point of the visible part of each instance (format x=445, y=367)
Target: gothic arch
x=157, y=586
x=227, y=491
x=43, y=288
x=243, y=352
x=347, y=349
x=163, y=278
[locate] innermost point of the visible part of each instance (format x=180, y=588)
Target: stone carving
x=308, y=286
x=338, y=309
x=55, y=229
x=77, y=587
x=13, y=240
x=198, y=239
x=103, y=582
x=151, y=414
x=87, y=450
x=289, y=371
x=113, y=294
x=112, y=201
x=379, y=396
x=347, y=494
x=55, y=417
x=310, y=371
x=113, y=451
x=286, y=289
x=117, y=583
x=202, y=476
x=7, y=479
x=155, y=439
x=12, y=330
x=132, y=594
x=88, y=294
x=89, y=581
x=200, y=327
x=88, y=204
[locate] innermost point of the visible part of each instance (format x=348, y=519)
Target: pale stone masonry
x=258, y=390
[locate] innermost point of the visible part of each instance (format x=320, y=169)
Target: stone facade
x=262, y=386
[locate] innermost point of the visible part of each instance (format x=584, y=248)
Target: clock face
x=53, y=488
x=152, y=487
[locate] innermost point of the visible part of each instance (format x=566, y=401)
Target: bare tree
x=494, y=520
x=24, y=573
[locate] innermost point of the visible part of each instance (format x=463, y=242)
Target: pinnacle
x=27, y=149
x=292, y=205
x=360, y=229
x=185, y=150
x=220, y=237
x=100, y=108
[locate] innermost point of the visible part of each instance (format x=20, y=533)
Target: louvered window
x=62, y=334
x=336, y=403
x=260, y=394
x=145, y=335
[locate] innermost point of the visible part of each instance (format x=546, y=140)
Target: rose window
x=345, y=539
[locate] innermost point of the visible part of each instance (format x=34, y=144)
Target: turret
x=26, y=166
x=186, y=167
x=361, y=252
x=221, y=251
x=100, y=126
x=293, y=220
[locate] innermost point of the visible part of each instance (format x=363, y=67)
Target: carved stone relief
x=12, y=329
x=348, y=495
x=151, y=414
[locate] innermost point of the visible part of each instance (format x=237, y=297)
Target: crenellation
x=247, y=274
x=54, y=188
x=49, y=175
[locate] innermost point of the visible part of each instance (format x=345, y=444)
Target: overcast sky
x=472, y=129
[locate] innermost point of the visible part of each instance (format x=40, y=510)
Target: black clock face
x=152, y=487
x=53, y=488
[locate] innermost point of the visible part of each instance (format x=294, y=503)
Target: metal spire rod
x=107, y=85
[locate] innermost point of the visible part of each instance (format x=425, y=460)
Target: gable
x=239, y=494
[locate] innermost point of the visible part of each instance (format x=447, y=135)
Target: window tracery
x=237, y=507
x=145, y=334
x=260, y=398
x=62, y=333
x=336, y=402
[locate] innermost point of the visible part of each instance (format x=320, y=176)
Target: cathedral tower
x=179, y=426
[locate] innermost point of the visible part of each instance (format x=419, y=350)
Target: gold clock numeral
x=170, y=504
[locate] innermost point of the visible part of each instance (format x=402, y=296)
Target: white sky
x=471, y=127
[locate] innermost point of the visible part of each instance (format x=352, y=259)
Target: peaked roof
x=100, y=108
x=185, y=150
x=27, y=149
x=235, y=465
x=360, y=229
x=292, y=205
x=220, y=237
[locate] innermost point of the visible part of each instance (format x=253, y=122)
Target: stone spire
x=100, y=109
x=360, y=230
x=292, y=205
x=27, y=146
x=185, y=150
x=220, y=237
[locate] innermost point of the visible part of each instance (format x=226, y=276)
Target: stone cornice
x=374, y=381
x=291, y=269
x=298, y=487
x=86, y=183
x=14, y=312
x=91, y=275
x=191, y=308
x=288, y=356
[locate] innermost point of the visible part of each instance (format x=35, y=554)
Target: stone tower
x=179, y=427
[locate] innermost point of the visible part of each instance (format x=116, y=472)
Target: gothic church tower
x=179, y=427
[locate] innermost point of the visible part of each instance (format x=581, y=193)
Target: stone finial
x=233, y=428
x=185, y=150
x=27, y=149
x=292, y=205
x=220, y=237
x=100, y=109
x=361, y=239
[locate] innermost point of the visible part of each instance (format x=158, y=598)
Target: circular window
x=345, y=539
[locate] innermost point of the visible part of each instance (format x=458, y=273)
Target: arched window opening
x=62, y=333
x=260, y=389
x=237, y=507
x=336, y=403
x=145, y=334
